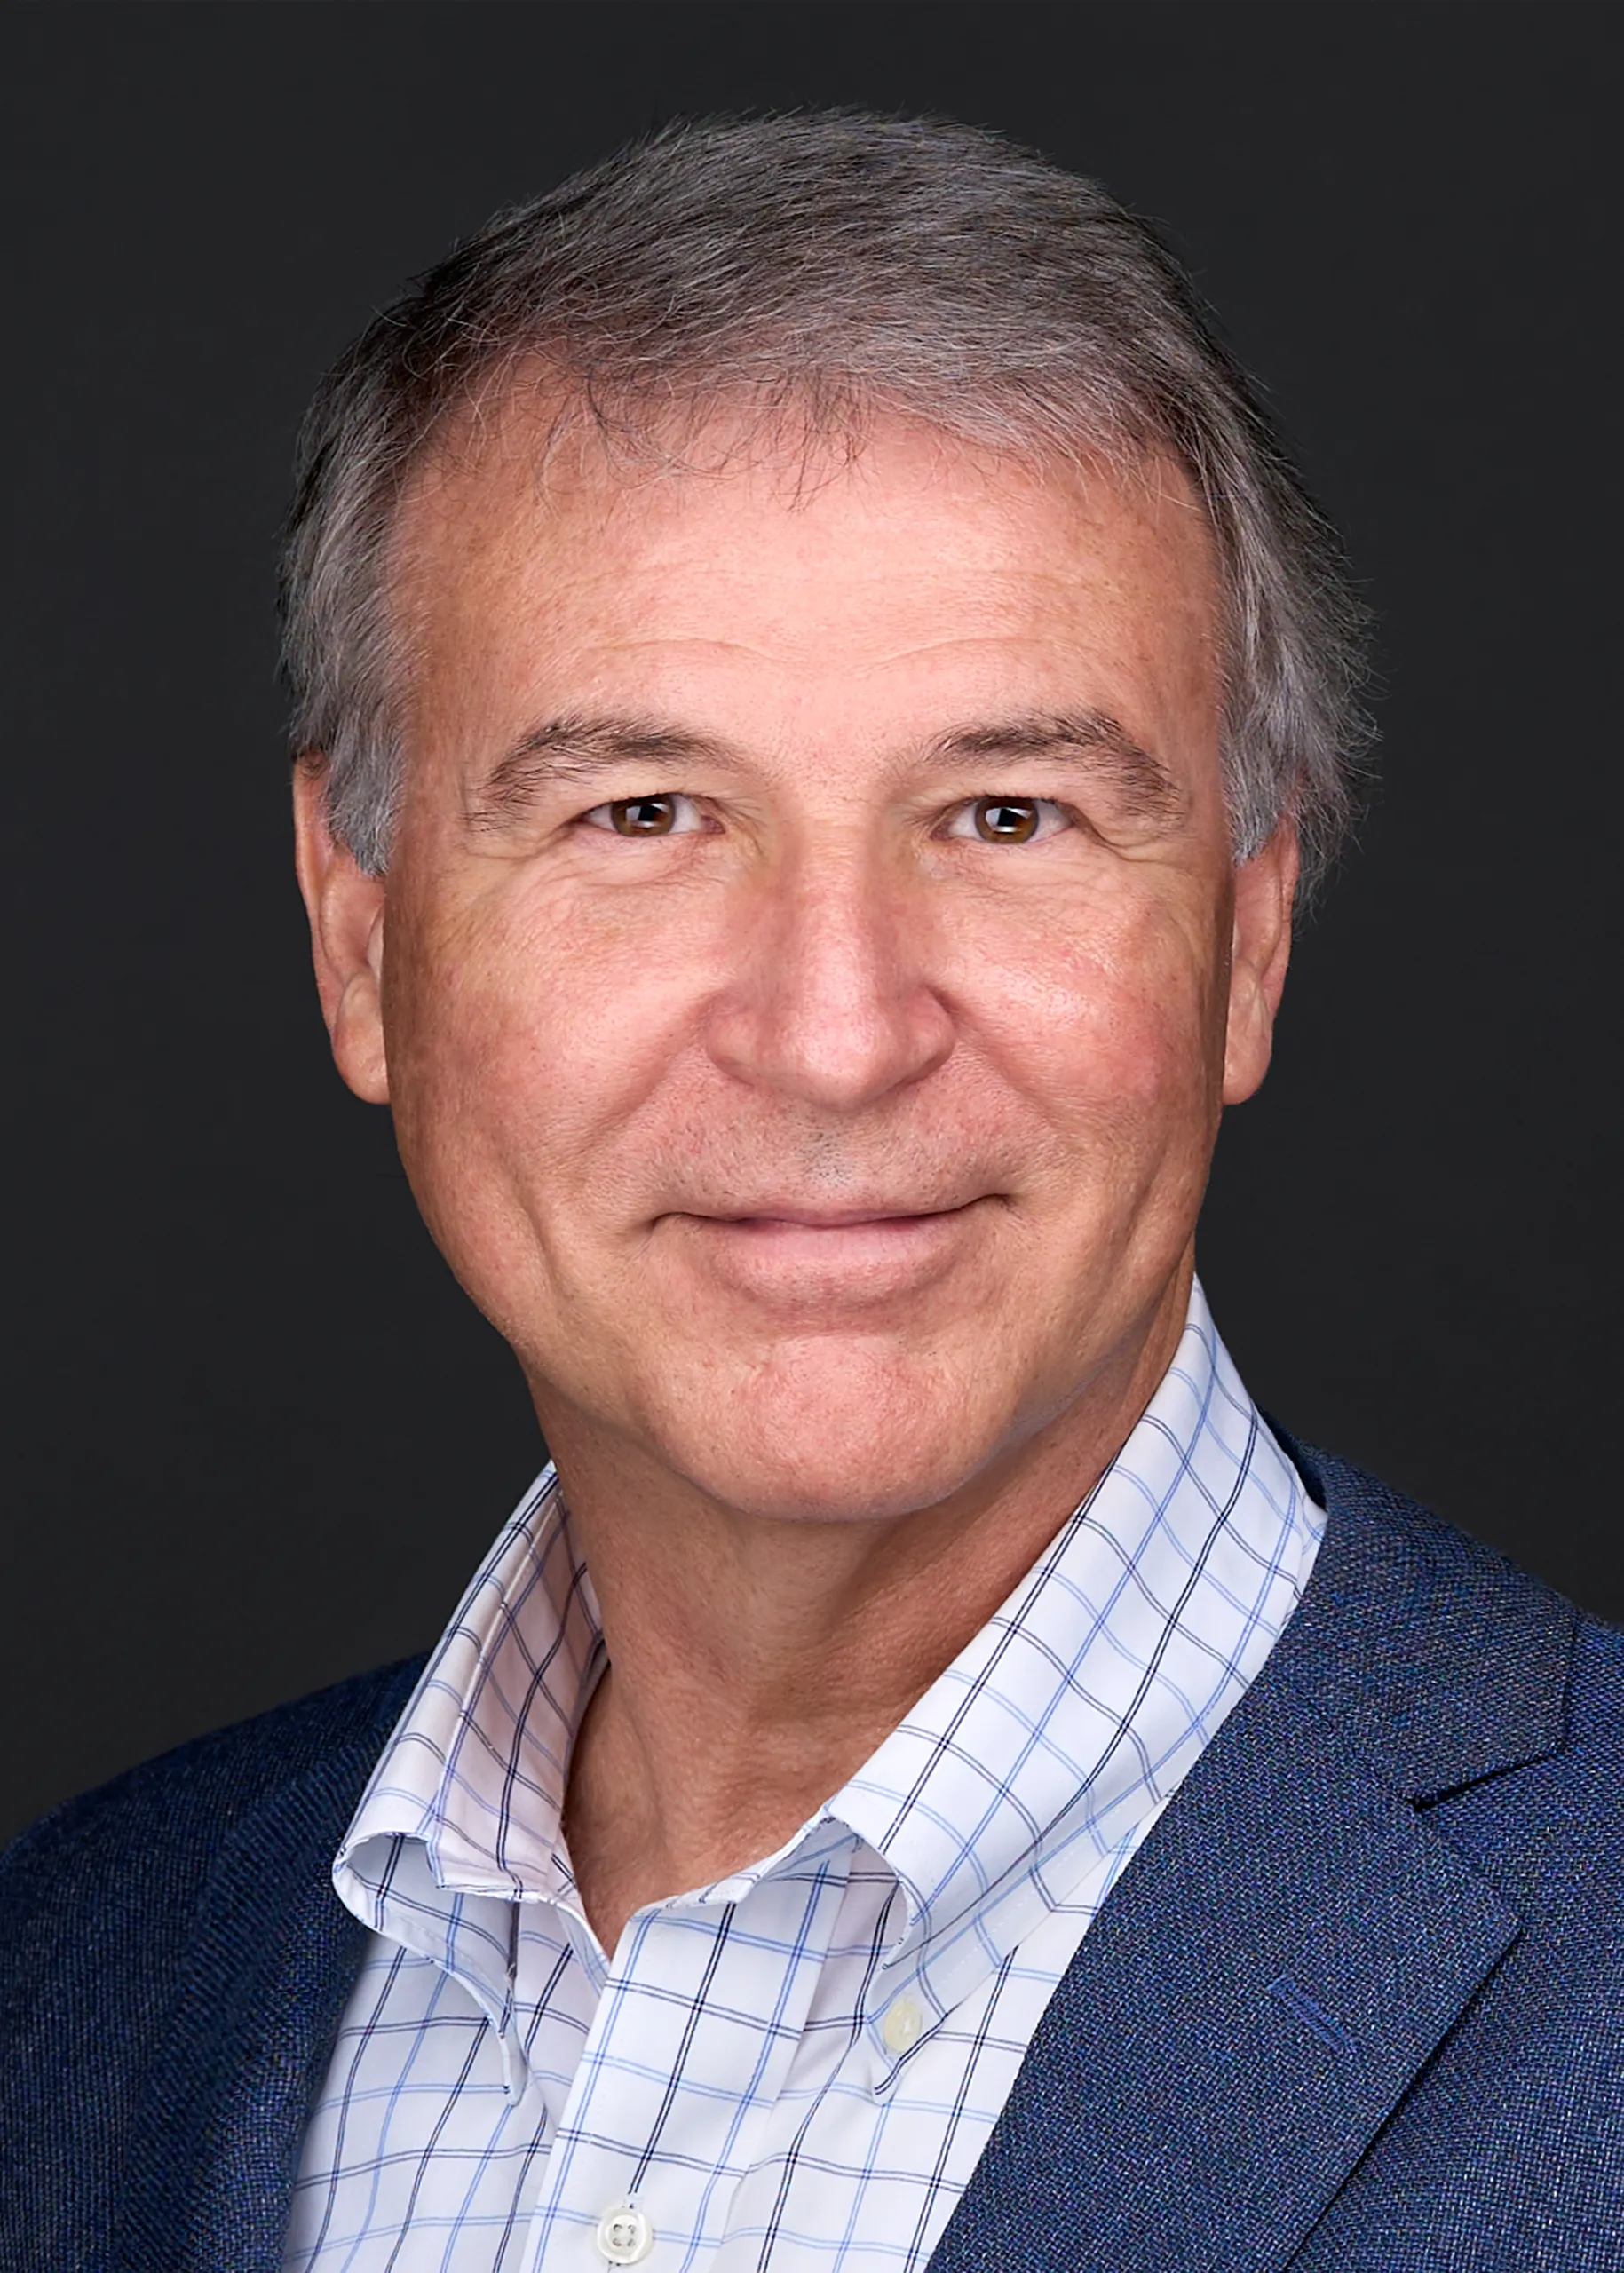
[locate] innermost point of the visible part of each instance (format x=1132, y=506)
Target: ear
x=1260, y=949
x=345, y=907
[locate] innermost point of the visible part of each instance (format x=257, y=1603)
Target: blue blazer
x=1357, y=2006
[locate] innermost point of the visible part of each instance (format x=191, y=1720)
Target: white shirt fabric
x=798, y=2067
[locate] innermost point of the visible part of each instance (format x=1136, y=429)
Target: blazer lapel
x=209, y=2176
x=1293, y=1941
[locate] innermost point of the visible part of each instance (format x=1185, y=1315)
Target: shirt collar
x=1051, y=1739
x=475, y=1769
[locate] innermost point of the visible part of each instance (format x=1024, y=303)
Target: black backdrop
x=257, y=1438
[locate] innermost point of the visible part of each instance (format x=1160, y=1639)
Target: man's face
x=806, y=958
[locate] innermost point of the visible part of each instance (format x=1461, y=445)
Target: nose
x=831, y=1005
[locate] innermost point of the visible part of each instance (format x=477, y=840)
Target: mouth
x=790, y=1216
x=792, y=1256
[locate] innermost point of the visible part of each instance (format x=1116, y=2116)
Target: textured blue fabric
x=173, y=1962
x=1355, y=2006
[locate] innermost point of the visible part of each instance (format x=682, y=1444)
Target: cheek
x=520, y=1037
x=1109, y=1019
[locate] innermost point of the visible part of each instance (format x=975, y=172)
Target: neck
x=756, y=1664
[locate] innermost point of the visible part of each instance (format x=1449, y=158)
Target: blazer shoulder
x=1395, y=1544
x=1430, y=1649
x=144, y=1837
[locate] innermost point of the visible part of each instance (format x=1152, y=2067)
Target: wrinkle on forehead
x=495, y=533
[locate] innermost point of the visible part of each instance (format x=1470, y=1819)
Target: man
x=813, y=687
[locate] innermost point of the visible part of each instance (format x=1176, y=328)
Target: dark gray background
x=257, y=1439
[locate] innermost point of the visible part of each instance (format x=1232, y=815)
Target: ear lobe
x=345, y=907
x=1265, y=887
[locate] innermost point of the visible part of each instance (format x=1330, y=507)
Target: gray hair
x=826, y=266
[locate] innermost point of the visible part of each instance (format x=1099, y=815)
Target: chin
x=816, y=1438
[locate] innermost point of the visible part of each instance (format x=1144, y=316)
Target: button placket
x=691, y=2003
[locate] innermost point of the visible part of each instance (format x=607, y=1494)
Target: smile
x=773, y=1217
x=796, y=1255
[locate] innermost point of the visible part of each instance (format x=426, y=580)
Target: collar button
x=901, y=2027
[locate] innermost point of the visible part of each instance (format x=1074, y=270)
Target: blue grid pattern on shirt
x=499, y=2080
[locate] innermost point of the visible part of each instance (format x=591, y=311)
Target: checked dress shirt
x=797, y=2068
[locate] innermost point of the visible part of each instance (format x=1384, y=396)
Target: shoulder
x=209, y=1784
x=1489, y=1698
x=1457, y=1651
x=1497, y=1706
x=1390, y=1549
x=126, y=1862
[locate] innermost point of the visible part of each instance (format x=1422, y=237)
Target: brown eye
x=643, y=816
x=1006, y=820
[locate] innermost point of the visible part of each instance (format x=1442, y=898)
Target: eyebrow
x=579, y=750
x=1148, y=788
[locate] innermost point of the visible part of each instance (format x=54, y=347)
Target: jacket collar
x=1294, y=1940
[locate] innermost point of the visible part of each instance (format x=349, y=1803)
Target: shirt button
x=624, y=2235
x=901, y=2024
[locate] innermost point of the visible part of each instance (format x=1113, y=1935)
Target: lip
x=794, y=1258
x=834, y=1219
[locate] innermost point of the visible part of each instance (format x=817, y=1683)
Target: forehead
x=796, y=569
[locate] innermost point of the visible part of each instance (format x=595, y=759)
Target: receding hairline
x=560, y=422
